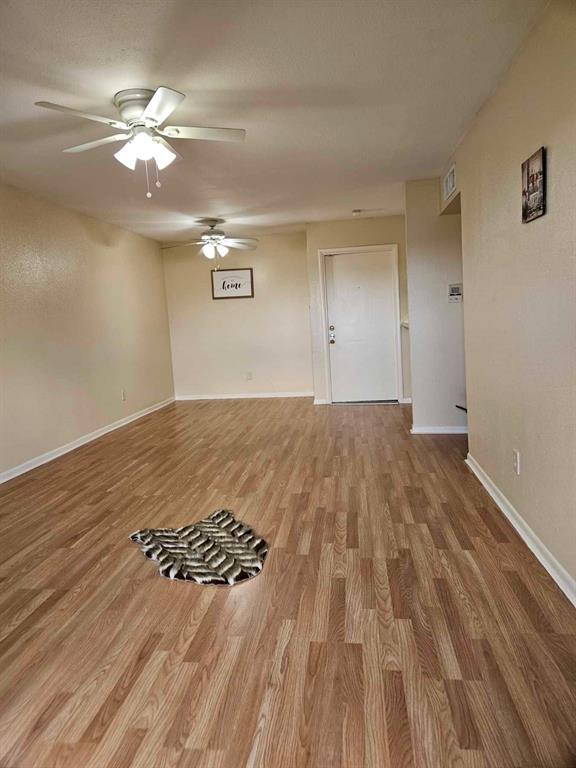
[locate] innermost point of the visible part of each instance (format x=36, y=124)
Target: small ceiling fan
x=215, y=242
x=143, y=111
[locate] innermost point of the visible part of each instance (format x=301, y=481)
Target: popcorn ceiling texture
x=342, y=100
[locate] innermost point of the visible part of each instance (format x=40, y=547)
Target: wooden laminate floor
x=399, y=620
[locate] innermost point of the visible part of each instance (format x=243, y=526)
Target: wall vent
x=449, y=183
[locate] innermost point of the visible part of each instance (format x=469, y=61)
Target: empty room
x=288, y=384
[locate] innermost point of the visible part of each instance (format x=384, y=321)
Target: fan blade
x=243, y=243
x=86, y=115
x=98, y=143
x=205, y=134
x=162, y=104
x=182, y=245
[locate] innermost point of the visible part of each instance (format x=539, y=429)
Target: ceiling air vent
x=449, y=183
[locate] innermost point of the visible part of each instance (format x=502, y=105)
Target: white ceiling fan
x=143, y=111
x=215, y=242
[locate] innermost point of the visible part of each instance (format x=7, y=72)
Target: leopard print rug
x=216, y=550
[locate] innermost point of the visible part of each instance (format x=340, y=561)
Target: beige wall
x=344, y=234
x=434, y=260
x=520, y=283
x=82, y=315
x=216, y=345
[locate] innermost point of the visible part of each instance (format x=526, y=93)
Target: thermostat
x=455, y=293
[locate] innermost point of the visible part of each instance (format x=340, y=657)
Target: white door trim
x=391, y=248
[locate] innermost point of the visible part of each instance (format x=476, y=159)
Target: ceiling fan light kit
x=210, y=250
x=143, y=111
x=145, y=146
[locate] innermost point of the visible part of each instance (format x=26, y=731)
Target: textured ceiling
x=342, y=100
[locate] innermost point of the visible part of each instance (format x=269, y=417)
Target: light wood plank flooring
x=399, y=621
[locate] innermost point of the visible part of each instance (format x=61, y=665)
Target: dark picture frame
x=229, y=286
x=534, y=186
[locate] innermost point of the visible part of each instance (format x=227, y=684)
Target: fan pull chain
x=148, y=193
x=157, y=174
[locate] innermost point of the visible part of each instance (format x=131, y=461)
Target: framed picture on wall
x=534, y=186
x=233, y=283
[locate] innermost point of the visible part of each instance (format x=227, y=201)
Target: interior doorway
x=363, y=324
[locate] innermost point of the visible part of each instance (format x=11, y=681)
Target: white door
x=362, y=298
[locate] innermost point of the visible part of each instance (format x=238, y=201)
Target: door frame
x=391, y=249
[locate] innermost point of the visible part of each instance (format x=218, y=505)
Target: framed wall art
x=534, y=186
x=233, y=283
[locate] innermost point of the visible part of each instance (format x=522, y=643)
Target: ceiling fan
x=142, y=112
x=215, y=242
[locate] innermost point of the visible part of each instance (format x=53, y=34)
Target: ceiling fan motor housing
x=132, y=102
x=214, y=234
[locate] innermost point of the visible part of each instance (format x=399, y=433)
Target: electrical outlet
x=123, y=395
x=249, y=376
x=516, y=461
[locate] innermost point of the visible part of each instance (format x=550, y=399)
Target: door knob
x=332, y=341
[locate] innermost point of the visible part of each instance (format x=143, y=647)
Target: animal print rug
x=216, y=550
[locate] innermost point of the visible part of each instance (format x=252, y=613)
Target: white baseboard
x=321, y=401
x=439, y=430
x=560, y=575
x=56, y=452
x=405, y=401
x=245, y=395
